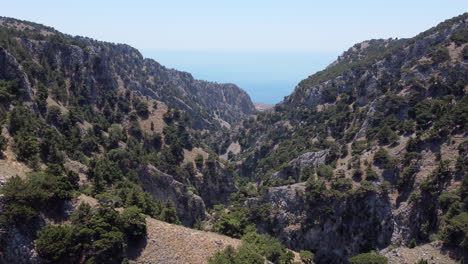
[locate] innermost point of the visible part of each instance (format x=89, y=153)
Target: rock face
x=17, y=243
x=319, y=89
x=297, y=165
x=217, y=184
x=17, y=247
x=190, y=207
x=11, y=70
x=350, y=225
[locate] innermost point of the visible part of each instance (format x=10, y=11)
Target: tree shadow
x=136, y=247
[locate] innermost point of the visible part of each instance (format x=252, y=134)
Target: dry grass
x=86, y=199
x=9, y=165
x=190, y=155
x=173, y=244
x=431, y=252
x=155, y=116
x=234, y=147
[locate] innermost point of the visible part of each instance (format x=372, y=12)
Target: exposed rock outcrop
x=335, y=229
x=190, y=207
x=297, y=165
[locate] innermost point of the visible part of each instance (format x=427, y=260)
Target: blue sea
x=267, y=76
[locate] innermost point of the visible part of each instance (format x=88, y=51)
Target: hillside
x=365, y=154
x=81, y=116
x=54, y=59
x=174, y=244
x=366, y=160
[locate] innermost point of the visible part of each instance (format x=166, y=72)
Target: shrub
x=232, y=224
x=460, y=36
x=169, y=213
x=407, y=175
x=54, y=243
x=3, y=144
x=342, y=184
x=268, y=246
x=5, y=92
x=306, y=256
x=440, y=55
x=142, y=109
x=382, y=158
x=21, y=199
x=315, y=189
x=243, y=255
x=412, y=243
x=465, y=53
x=456, y=230
x=368, y=258
x=386, y=135
x=371, y=175
x=325, y=171
x=446, y=199
x=133, y=222
x=358, y=146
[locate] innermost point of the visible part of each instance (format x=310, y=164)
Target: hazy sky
x=264, y=46
x=245, y=25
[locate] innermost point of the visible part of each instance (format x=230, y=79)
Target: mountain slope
x=52, y=58
x=80, y=116
x=365, y=153
x=168, y=243
x=370, y=154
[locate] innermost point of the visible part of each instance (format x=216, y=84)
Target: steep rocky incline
x=362, y=155
x=103, y=67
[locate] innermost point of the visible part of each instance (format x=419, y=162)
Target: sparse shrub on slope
x=368, y=258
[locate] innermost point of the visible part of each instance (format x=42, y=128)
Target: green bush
x=368, y=258
x=268, y=246
x=133, y=222
x=407, y=175
x=386, y=135
x=382, y=158
x=440, y=55
x=232, y=223
x=358, y=146
x=54, y=243
x=447, y=199
x=465, y=53
x=371, y=175
x=460, y=36
x=21, y=200
x=142, y=109
x=243, y=255
x=5, y=92
x=307, y=257
x=3, y=144
x=412, y=243
x=169, y=213
x=456, y=230
x=325, y=171
x=95, y=235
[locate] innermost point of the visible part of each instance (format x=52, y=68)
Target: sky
x=264, y=46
